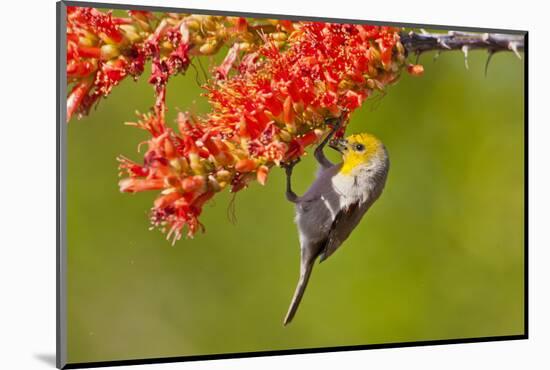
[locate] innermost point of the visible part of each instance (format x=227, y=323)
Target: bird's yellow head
x=357, y=150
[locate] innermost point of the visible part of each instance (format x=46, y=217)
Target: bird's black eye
x=359, y=147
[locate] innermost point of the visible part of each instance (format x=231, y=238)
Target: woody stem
x=418, y=43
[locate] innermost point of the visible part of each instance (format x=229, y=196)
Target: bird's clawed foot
x=337, y=122
x=289, y=166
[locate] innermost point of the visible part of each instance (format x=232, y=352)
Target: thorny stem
x=418, y=43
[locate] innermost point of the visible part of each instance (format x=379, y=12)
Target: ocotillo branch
x=418, y=43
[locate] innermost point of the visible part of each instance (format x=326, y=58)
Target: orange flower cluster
x=272, y=105
x=102, y=49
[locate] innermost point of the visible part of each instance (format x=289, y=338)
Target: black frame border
x=61, y=87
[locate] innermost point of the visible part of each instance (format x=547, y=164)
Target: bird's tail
x=305, y=272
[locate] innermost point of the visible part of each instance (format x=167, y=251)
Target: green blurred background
x=439, y=256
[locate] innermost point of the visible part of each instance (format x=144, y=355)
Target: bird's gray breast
x=337, y=198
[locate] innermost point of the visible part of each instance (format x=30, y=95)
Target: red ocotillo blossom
x=102, y=49
x=267, y=110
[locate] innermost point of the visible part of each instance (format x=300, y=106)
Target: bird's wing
x=344, y=222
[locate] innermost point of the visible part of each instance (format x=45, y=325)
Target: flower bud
x=399, y=47
x=279, y=36
x=207, y=165
x=415, y=69
x=223, y=175
x=169, y=149
x=193, y=24
x=85, y=41
x=209, y=48
x=279, y=44
x=167, y=45
x=195, y=163
x=245, y=165
x=171, y=181
x=285, y=136
x=213, y=184
x=373, y=72
x=345, y=85
x=371, y=84
x=374, y=53
x=244, y=46
x=176, y=165
x=197, y=39
x=192, y=184
x=109, y=51
x=288, y=112
x=130, y=32
x=144, y=25
x=261, y=174
x=209, y=23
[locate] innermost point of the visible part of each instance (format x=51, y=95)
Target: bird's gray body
x=331, y=208
x=338, y=198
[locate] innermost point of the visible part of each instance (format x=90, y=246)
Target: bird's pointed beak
x=339, y=145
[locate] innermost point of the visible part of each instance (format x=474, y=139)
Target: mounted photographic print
x=210, y=161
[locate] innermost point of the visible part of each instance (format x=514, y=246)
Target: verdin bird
x=336, y=201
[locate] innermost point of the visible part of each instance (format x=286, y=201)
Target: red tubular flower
x=415, y=69
x=108, y=49
x=274, y=105
x=77, y=94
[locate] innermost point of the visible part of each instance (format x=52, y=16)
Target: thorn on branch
x=465, y=49
x=443, y=43
x=491, y=53
x=513, y=45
